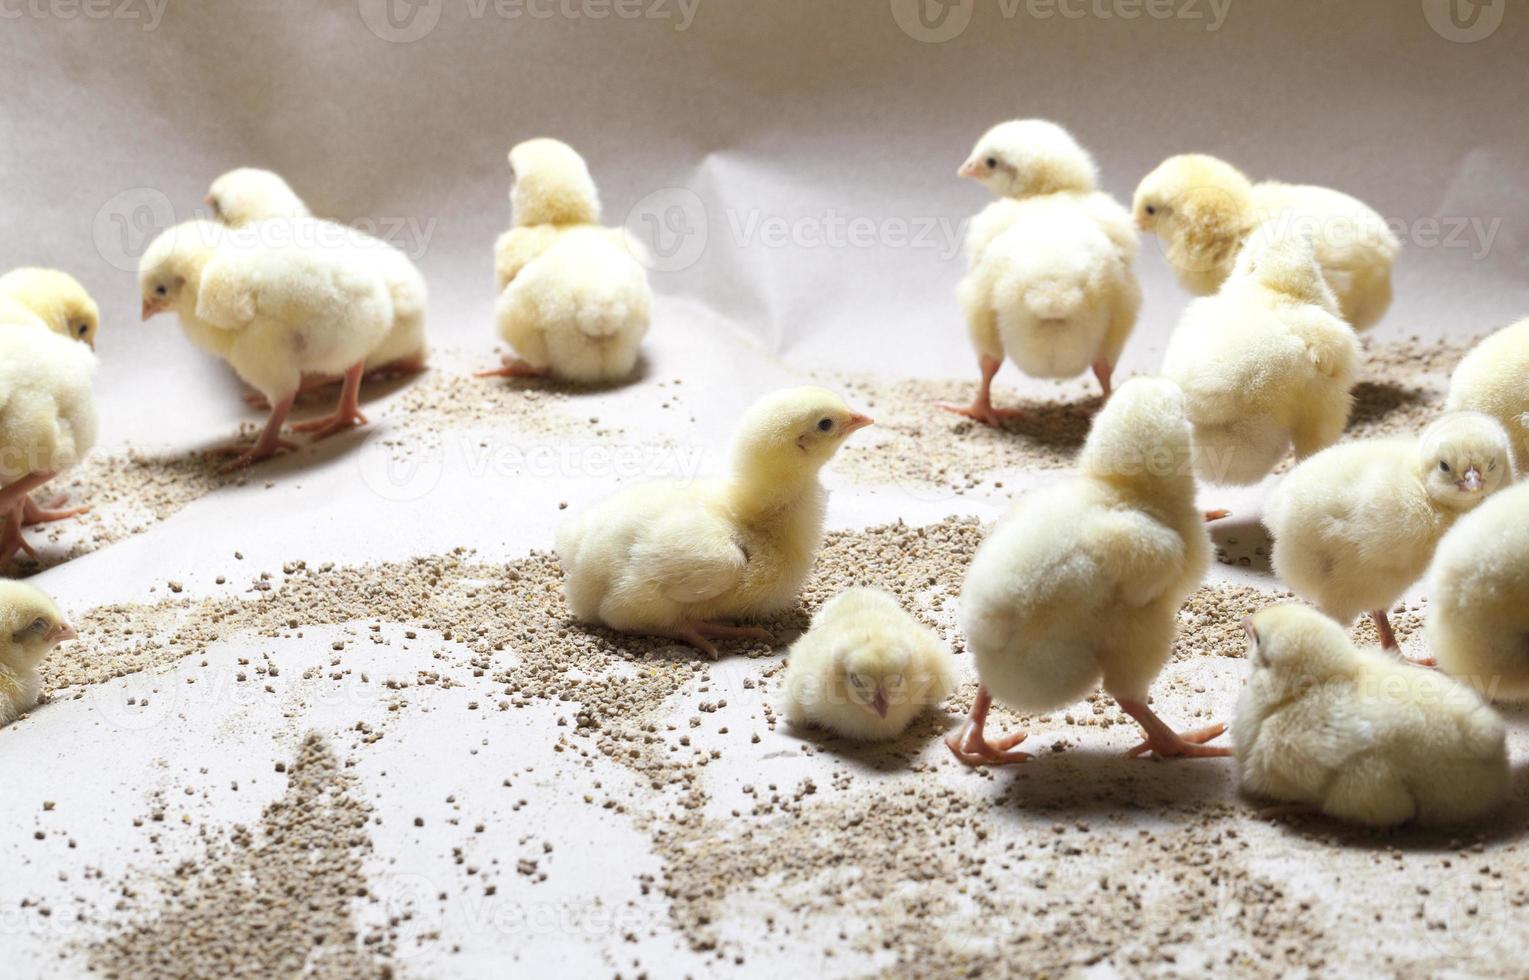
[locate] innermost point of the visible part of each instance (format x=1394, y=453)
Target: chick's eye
x=825, y=425
x=1443, y=466
x=39, y=625
x=857, y=680
x=84, y=329
x=1152, y=209
x=159, y=290
x=992, y=163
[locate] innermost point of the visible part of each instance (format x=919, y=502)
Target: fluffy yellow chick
x=866, y=669
x=246, y=195
x=670, y=558
x=1050, y=281
x=1323, y=726
x=574, y=301
x=1494, y=378
x=276, y=301
x=1081, y=584
x=1203, y=209
x=30, y=627
x=1265, y=364
x=47, y=423
x=53, y=298
x=1478, y=597
x=1354, y=526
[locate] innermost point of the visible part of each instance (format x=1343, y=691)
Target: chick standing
x=669, y=558
x=276, y=300
x=1358, y=736
x=1082, y=582
x=241, y=197
x=47, y=423
x=54, y=299
x=866, y=668
x=1204, y=209
x=1050, y=282
x=574, y=300
x=1265, y=364
x=1355, y=525
x=30, y=627
x=1494, y=378
x=1478, y=597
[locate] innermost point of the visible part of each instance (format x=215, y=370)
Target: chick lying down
x=866, y=669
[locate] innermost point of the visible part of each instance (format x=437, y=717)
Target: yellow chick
x=1494, y=378
x=1478, y=597
x=1354, y=526
x=1204, y=209
x=276, y=300
x=30, y=627
x=866, y=668
x=47, y=423
x=52, y=298
x=670, y=558
x=574, y=301
x=1050, y=282
x=1325, y=727
x=1265, y=364
x=1081, y=584
x=246, y=195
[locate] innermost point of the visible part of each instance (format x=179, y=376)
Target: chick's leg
x=32, y=514
x=1164, y=742
x=11, y=540
x=404, y=367
x=1388, y=639
x=700, y=635
x=270, y=442
x=982, y=408
x=971, y=746
x=1104, y=370
x=346, y=415
x=514, y=367
x=14, y=496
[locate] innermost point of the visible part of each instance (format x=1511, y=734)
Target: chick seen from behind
x=30, y=627
x=1049, y=283
x=671, y=558
x=1081, y=584
x=866, y=669
x=574, y=301
x=1357, y=524
x=1266, y=365
x=1323, y=726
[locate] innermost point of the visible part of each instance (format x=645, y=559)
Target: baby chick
x=574, y=300
x=47, y=423
x=30, y=627
x=866, y=669
x=670, y=558
x=1478, y=597
x=1494, y=378
x=1050, y=282
x=1082, y=582
x=1204, y=209
x=242, y=196
x=1355, y=525
x=1358, y=736
x=53, y=298
x=1265, y=363
x=275, y=301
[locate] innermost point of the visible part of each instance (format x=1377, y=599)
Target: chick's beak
x=879, y=703
x=970, y=170
x=1472, y=481
x=151, y=310
x=62, y=632
x=857, y=422
x=1247, y=627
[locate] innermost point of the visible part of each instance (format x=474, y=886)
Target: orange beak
x=970, y=170
x=879, y=702
x=857, y=422
x=62, y=632
x=151, y=310
x=1472, y=480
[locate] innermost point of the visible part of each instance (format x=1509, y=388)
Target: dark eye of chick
x=825, y=425
x=1443, y=466
x=1152, y=209
x=159, y=290
x=84, y=329
x=992, y=163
